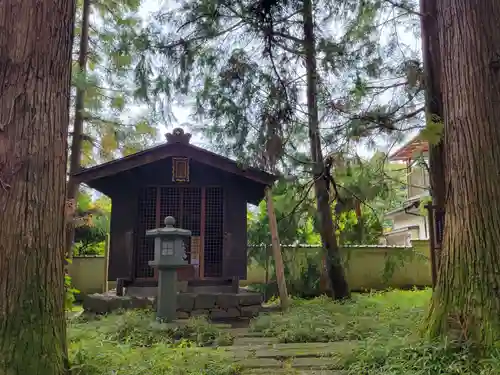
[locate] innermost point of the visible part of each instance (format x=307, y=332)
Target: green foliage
x=90, y=246
x=115, y=79
x=385, y=327
x=402, y=356
x=139, y=329
x=250, y=88
x=90, y=239
x=104, y=358
x=376, y=333
x=424, y=202
x=302, y=270
x=375, y=182
x=398, y=258
x=134, y=344
x=69, y=291
x=384, y=315
x=365, y=230
x=292, y=205
x=433, y=130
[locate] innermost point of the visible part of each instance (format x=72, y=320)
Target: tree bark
x=434, y=112
x=35, y=64
x=76, y=142
x=466, y=300
x=338, y=285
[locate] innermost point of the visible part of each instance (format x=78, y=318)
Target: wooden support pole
x=278, y=259
x=266, y=290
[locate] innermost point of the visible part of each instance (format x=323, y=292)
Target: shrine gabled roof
x=177, y=145
x=408, y=151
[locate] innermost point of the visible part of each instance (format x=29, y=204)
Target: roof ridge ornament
x=178, y=136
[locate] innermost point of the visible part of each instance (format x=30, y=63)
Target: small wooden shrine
x=205, y=192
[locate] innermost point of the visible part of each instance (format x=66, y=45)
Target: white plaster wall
x=418, y=182
x=403, y=220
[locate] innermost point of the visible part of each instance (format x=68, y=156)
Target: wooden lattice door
x=147, y=219
x=213, y=241
x=200, y=210
x=184, y=204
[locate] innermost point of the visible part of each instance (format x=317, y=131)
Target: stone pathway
x=264, y=355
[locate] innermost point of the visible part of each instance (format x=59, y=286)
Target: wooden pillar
x=158, y=220
x=203, y=215
x=278, y=259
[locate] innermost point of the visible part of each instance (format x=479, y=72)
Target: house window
x=180, y=169
x=426, y=179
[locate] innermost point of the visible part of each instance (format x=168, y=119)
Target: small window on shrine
x=167, y=248
x=180, y=169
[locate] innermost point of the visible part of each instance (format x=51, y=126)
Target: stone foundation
x=213, y=305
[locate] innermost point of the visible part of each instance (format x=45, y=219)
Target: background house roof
x=408, y=150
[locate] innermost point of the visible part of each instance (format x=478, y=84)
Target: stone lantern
x=170, y=255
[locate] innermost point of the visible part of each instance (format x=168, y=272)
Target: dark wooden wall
x=235, y=234
x=122, y=239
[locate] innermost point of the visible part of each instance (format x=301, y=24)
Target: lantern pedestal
x=170, y=255
x=166, y=303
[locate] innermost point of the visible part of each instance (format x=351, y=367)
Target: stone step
x=238, y=332
x=254, y=363
x=253, y=334
x=289, y=371
x=293, y=350
x=322, y=363
x=217, y=306
x=254, y=341
x=318, y=364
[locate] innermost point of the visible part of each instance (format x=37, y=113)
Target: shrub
x=321, y=320
x=132, y=343
x=69, y=291
x=302, y=273
x=417, y=357
x=104, y=358
x=138, y=328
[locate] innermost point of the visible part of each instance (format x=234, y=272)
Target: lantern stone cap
x=169, y=230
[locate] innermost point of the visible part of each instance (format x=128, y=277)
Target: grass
x=131, y=343
x=375, y=334
x=139, y=329
x=320, y=320
x=386, y=327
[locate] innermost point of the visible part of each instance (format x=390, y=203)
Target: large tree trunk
x=434, y=112
x=35, y=64
x=76, y=142
x=338, y=286
x=467, y=299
